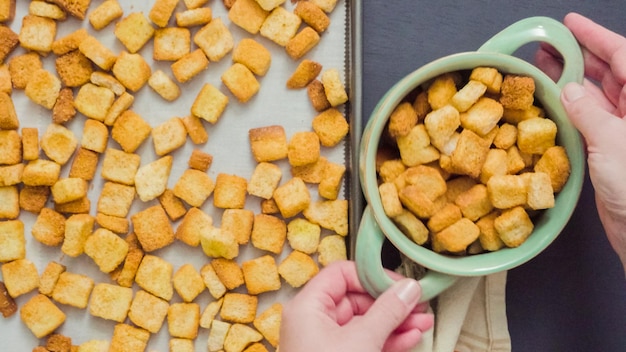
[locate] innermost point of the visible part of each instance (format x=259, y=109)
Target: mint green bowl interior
x=548, y=225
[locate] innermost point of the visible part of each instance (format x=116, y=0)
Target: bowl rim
x=547, y=226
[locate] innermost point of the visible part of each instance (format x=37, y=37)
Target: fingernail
x=573, y=91
x=408, y=290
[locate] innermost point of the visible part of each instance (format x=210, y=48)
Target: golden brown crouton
x=261, y=275
x=305, y=73
x=153, y=228
x=41, y=316
x=248, y=14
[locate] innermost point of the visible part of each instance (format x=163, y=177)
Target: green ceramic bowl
x=443, y=270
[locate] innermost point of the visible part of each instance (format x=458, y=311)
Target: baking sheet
x=228, y=144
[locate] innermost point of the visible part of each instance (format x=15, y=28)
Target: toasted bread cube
x=49, y=228
x=239, y=307
x=129, y=339
x=269, y=5
x=78, y=228
x=70, y=42
x=442, y=125
x=311, y=173
x=209, y=103
x=113, y=223
x=59, y=143
x=94, y=101
x=43, y=88
x=148, y=311
x=468, y=95
x=230, y=191
x=496, y=163
x=119, y=166
x=20, y=277
x=41, y=316
x=470, y=153
x=535, y=136
x=239, y=336
x=196, y=131
x=241, y=82
x=268, y=233
x=84, y=164
x=155, y=276
x=13, y=241
x=555, y=163
x=303, y=148
x=332, y=177
x=129, y=269
x=411, y=226
x=331, y=127
x=317, y=95
x=415, y=147
x=425, y=179
x=6, y=86
x=445, y=217
x=22, y=67
x=7, y=10
x=188, y=282
x=261, y=275
x=194, y=17
x=517, y=92
x=292, y=197
x=268, y=206
x=200, y=160
x=506, y=137
x=458, y=236
x=73, y=289
x=76, y=8
x=79, y=206
x=40, y=172
x=217, y=335
x=214, y=285
x=73, y=68
x=188, y=66
x=172, y=205
x=169, y=136
x=297, y=268
x=238, y=222
x=268, y=323
x=303, y=42
x=181, y=345
x=10, y=147
x=171, y=44
x=94, y=346
x=164, y=86
x=50, y=277
x=229, y=272
x=513, y=226
x=540, y=194
x=214, y=39
x=303, y=235
x=64, y=109
x=334, y=88
x=115, y=199
x=30, y=143
x=280, y=25
x=507, y=191
x=105, y=13
x=134, y=31
x=489, y=238
x=264, y=180
x=106, y=80
x=402, y=120
x=210, y=312
x=151, y=179
x=517, y=161
x=327, y=5
x=268, y=143
x=58, y=342
x=130, y=130
x=10, y=40
x=68, y=189
x=194, y=187
x=390, y=169
x=441, y=91
x=475, y=202
x=483, y=116
x=305, y=73
x=219, y=243
x=161, y=12
x=488, y=76
x=248, y=14
x=515, y=116
x=10, y=204
x=193, y=4
x=34, y=198
x=390, y=199
x=99, y=54
x=131, y=70
x=11, y=175
x=95, y=136
x=312, y=15
x=193, y=225
x=110, y=302
x=37, y=33
x=329, y=214
x=106, y=249
x=153, y=228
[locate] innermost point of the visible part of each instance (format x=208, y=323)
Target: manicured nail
x=408, y=290
x=573, y=91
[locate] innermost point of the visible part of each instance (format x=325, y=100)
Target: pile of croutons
x=123, y=228
x=468, y=160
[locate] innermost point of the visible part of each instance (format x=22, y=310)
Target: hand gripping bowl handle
x=370, y=237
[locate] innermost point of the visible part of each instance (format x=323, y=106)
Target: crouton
x=219, y=243
x=317, y=95
x=194, y=223
x=64, y=109
x=130, y=130
x=105, y=13
x=132, y=70
x=268, y=143
x=113, y=223
x=496, y=163
x=13, y=241
x=229, y=272
x=334, y=88
x=483, y=116
x=217, y=335
x=148, y=311
x=248, y=14
x=119, y=166
x=269, y=5
x=261, y=275
x=34, y=198
x=268, y=233
x=68, y=189
x=78, y=228
x=535, y=136
x=73, y=289
x=49, y=227
x=194, y=187
x=37, y=33
x=555, y=163
x=239, y=336
x=134, y=31
x=10, y=40
x=115, y=199
x=20, y=277
x=539, y=187
x=214, y=285
x=303, y=148
x=58, y=342
x=239, y=222
x=470, y=154
x=327, y=5
x=171, y=44
x=129, y=269
x=127, y=338
x=5, y=77
x=22, y=67
x=264, y=180
x=239, y=307
x=507, y=191
x=198, y=135
x=415, y=148
x=194, y=17
x=209, y=103
x=214, y=39
x=475, y=202
x=513, y=226
x=50, y=277
x=312, y=15
x=280, y=25
x=172, y=205
x=153, y=228
x=329, y=214
x=292, y=197
x=297, y=268
x=241, y=82
x=458, y=236
x=106, y=249
x=441, y=91
x=110, y=302
x=43, y=88
x=41, y=316
x=230, y=191
x=517, y=92
x=488, y=76
x=161, y=12
x=188, y=282
x=9, y=198
x=155, y=276
x=190, y=65
x=94, y=101
x=99, y=54
x=305, y=73
x=169, y=136
x=74, y=68
x=105, y=80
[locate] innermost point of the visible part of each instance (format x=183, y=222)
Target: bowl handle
x=541, y=29
x=369, y=264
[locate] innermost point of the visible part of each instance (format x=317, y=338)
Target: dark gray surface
x=572, y=297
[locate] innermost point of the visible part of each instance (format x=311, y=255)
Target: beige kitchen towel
x=470, y=316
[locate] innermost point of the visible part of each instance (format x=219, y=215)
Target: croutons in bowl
x=469, y=164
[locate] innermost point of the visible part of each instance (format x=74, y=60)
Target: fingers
x=550, y=64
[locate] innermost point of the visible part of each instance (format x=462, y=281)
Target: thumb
x=391, y=309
